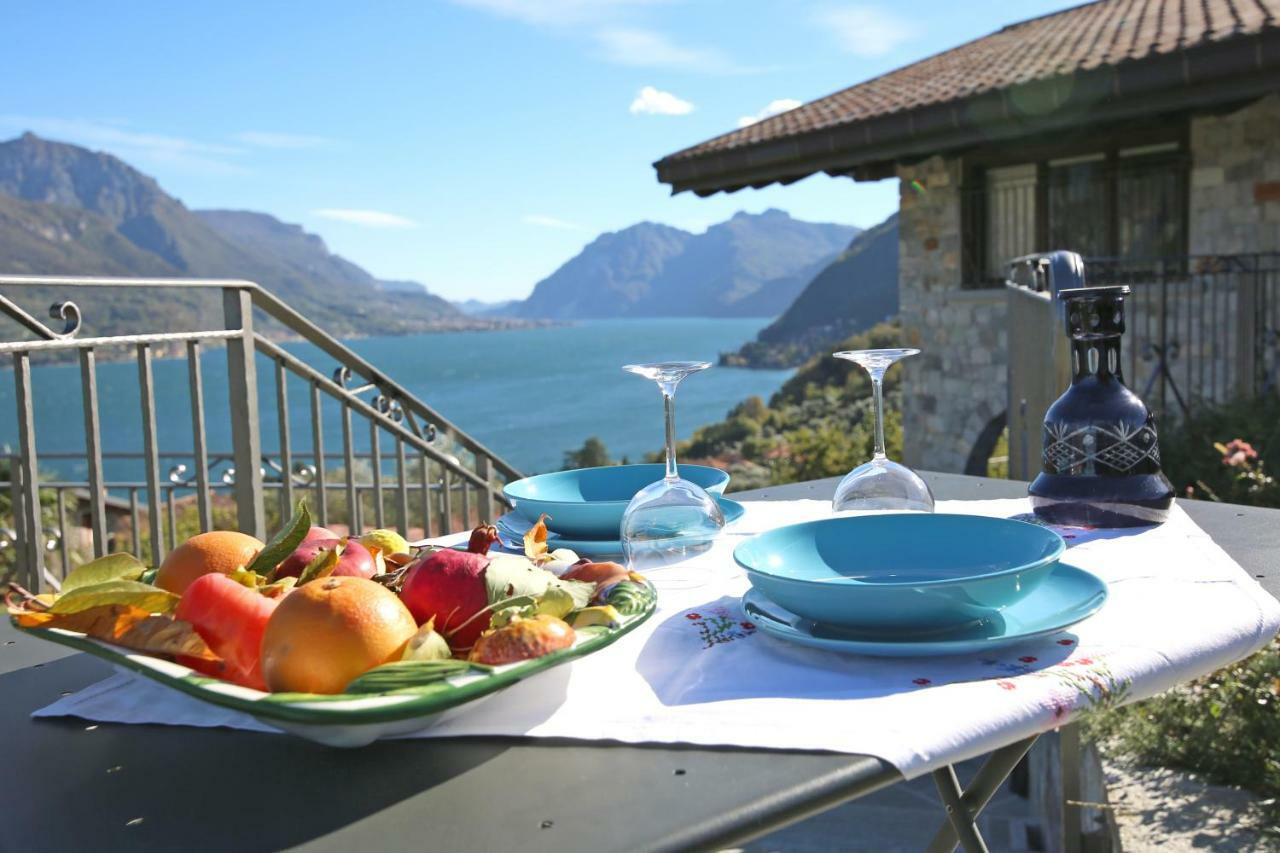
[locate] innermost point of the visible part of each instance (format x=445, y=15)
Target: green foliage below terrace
x=819, y=424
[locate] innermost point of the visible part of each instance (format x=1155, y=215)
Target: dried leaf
x=535, y=539
x=506, y=577
x=248, y=578
x=283, y=543
x=144, y=597
x=322, y=564
x=112, y=567
x=125, y=625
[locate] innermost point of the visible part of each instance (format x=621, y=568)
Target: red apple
x=319, y=533
x=355, y=560
x=449, y=586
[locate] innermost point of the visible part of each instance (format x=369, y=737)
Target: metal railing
x=433, y=476
x=1204, y=328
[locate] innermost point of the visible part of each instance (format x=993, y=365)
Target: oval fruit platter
x=340, y=640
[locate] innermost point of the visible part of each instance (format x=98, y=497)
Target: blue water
x=528, y=394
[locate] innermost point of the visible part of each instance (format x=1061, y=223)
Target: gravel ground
x=1171, y=811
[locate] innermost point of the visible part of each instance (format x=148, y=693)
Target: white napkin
x=699, y=672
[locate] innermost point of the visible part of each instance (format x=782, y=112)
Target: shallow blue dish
x=900, y=572
x=1068, y=595
x=588, y=503
x=513, y=526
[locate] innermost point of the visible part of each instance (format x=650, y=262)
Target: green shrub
x=1224, y=452
x=1225, y=726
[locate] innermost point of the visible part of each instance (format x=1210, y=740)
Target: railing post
x=93, y=451
x=242, y=387
x=33, y=535
x=1248, y=340
x=484, y=467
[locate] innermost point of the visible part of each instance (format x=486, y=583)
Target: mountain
x=67, y=210
x=480, y=308
x=752, y=265
x=849, y=295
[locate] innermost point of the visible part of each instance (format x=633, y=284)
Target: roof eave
x=1230, y=69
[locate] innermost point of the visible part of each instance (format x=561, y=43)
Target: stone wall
x=1235, y=181
x=954, y=388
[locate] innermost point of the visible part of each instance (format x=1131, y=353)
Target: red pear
x=449, y=586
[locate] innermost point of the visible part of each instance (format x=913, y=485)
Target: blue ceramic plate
x=588, y=503
x=899, y=571
x=1067, y=596
x=513, y=526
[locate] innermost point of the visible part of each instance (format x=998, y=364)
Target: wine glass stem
x=669, y=409
x=877, y=389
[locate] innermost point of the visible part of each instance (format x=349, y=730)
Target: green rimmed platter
x=347, y=720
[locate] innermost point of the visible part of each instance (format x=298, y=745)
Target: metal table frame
x=80, y=786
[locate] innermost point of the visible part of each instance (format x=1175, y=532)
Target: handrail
x=465, y=465
x=279, y=310
x=331, y=346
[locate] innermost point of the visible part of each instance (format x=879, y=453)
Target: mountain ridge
x=67, y=210
x=849, y=295
x=751, y=265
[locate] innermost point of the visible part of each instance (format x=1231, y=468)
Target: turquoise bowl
x=587, y=503
x=900, y=572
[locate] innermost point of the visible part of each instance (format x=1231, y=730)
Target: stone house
x=1143, y=134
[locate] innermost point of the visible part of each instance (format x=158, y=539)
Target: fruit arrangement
x=310, y=612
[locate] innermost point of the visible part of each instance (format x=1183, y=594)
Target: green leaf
x=405, y=674
x=283, y=543
x=321, y=565
x=511, y=576
x=112, y=567
x=140, y=595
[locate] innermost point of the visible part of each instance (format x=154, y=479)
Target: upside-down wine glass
x=673, y=519
x=881, y=483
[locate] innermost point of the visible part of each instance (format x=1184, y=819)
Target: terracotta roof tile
x=1107, y=32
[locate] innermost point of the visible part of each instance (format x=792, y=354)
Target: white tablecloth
x=700, y=672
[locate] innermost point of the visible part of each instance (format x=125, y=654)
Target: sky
x=471, y=145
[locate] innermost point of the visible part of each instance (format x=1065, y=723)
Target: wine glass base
x=883, y=485
x=667, y=524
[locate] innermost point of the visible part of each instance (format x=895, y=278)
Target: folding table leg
x=964, y=806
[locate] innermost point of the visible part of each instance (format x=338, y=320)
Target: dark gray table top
x=72, y=785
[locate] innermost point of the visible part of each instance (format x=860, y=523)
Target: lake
x=528, y=394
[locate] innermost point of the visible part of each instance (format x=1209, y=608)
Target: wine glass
x=673, y=519
x=881, y=484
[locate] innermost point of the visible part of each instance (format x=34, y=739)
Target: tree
x=592, y=454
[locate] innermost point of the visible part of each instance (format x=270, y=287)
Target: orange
x=216, y=551
x=327, y=632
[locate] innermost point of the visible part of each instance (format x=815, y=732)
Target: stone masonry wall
x=1235, y=181
x=957, y=384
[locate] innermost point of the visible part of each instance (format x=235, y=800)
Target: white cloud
x=290, y=141
x=642, y=48
x=772, y=109
x=865, y=30
x=366, y=218
x=139, y=148
x=655, y=102
x=551, y=222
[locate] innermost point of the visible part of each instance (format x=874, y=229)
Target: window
x=1011, y=216
x=1078, y=205
x=1127, y=203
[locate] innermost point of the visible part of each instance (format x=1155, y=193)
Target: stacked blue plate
x=914, y=583
x=584, y=506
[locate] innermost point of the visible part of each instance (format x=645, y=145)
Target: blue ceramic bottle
x=1101, y=464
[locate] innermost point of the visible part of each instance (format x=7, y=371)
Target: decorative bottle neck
x=1097, y=358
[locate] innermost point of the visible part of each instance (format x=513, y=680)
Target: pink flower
x=693, y=616
x=1028, y=659
x=1085, y=661
x=748, y=626
x=1006, y=685
x=921, y=681
x=1238, y=452
x=1066, y=642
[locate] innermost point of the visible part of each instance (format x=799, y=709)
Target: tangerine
x=221, y=551
x=326, y=632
